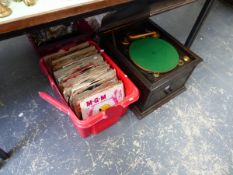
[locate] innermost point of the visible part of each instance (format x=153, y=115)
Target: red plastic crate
x=102, y=120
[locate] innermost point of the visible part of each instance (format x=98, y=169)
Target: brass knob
x=181, y=63
x=186, y=58
x=156, y=75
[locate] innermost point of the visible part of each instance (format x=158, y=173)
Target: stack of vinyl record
x=87, y=82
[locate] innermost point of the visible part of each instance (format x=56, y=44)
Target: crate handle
x=45, y=96
x=43, y=69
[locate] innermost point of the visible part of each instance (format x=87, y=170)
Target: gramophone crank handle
x=149, y=34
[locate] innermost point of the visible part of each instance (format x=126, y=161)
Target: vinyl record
x=154, y=55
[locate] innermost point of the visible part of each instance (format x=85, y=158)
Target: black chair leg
x=4, y=155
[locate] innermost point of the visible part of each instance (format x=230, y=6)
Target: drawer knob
x=168, y=89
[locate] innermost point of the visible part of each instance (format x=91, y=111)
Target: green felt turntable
x=154, y=55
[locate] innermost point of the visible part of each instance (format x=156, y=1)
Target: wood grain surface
x=56, y=14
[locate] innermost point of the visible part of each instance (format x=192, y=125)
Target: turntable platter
x=154, y=55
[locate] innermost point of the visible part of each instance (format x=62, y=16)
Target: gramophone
x=158, y=64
